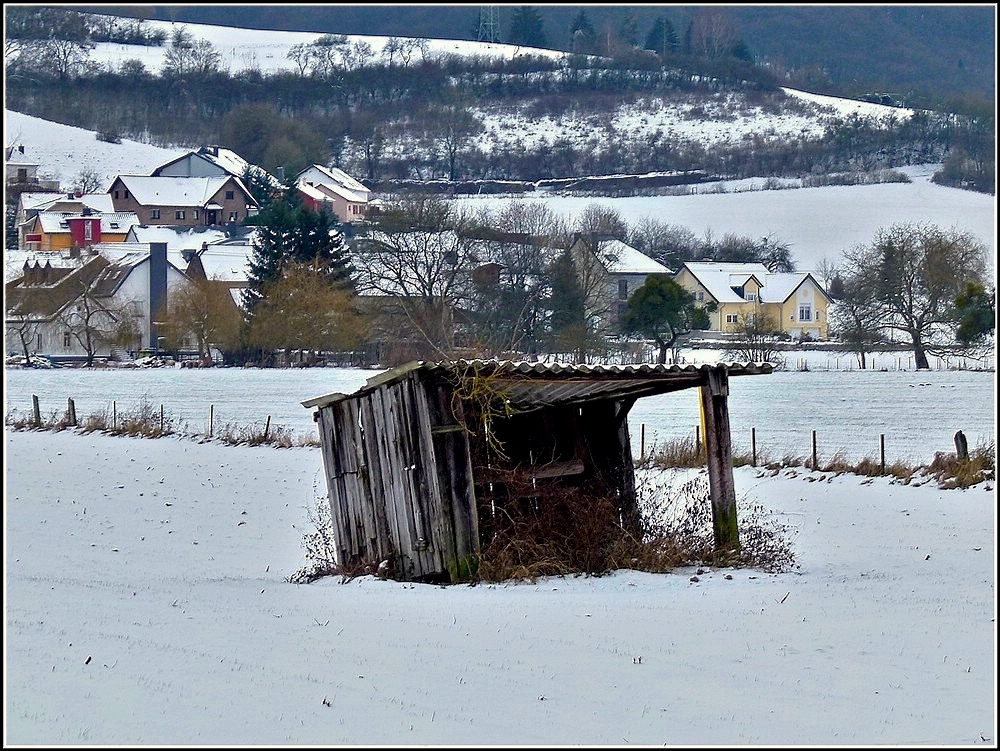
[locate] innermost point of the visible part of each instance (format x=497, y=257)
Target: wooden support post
x=753, y=446
x=211, y=418
x=267, y=427
x=71, y=412
x=161, y=418
x=814, y=464
x=114, y=417
x=881, y=453
x=719, y=452
x=642, y=442
x=36, y=411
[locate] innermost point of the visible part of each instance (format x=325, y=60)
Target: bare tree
x=756, y=338
x=95, y=321
x=421, y=257
x=206, y=311
x=913, y=274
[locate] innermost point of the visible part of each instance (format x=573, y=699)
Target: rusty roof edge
x=530, y=370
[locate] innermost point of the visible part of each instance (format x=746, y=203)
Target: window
x=66, y=339
x=230, y=195
x=196, y=213
x=154, y=213
x=732, y=318
x=623, y=289
x=699, y=296
x=88, y=232
x=805, y=311
x=179, y=214
x=234, y=216
x=116, y=195
x=752, y=296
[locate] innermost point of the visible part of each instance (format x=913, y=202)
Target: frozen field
x=917, y=412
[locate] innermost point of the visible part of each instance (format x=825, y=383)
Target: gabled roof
x=335, y=176
x=226, y=160
x=718, y=279
x=52, y=222
x=100, y=202
x=44, y=301
x=627, y=260
x=177, y=191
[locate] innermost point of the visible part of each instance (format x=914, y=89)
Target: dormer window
x=751, y=296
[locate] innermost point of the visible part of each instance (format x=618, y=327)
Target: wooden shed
x=422, y=459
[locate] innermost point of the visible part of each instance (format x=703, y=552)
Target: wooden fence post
x=719, y=452
x=881, y=453
x=753, y=446
x=961, y=445
x=36, y=411
x=814, y=449
x=211, y=418
x=642, y=442
x=267, y=427
x=71, y=412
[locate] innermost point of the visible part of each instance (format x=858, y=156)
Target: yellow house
x=795, y=302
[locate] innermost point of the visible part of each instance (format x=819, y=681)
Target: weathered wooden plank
x=718, y=447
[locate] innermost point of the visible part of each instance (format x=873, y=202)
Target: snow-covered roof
x=223, y=259
x=718, y=279
x=54, y=222
x=335, y=176
x=176, y=238
x=624, y=259
x=225, y=159
x=63, y=202
x=326, y=191
x=175, y=191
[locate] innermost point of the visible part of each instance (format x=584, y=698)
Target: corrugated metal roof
x=530, y=385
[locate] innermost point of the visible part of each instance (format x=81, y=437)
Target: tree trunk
x=662, y=359
x=919, y=355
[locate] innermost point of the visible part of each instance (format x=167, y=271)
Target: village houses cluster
x=128, y=247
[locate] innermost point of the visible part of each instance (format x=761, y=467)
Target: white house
x=610, y=271
x=333, y=188
x=102, y=301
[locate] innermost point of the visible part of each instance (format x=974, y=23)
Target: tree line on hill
x=403, y=114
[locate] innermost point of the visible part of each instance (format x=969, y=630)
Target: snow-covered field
x=146, y=604
x=918, y=413
x=145, y=587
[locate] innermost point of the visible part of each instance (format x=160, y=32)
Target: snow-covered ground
x=147, y=604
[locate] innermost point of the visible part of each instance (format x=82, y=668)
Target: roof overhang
x=526, y=386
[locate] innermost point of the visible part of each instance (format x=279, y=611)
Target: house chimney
x=280, y=173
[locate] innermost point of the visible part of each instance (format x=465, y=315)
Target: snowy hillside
x=817, y=223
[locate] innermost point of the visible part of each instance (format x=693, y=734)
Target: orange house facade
x=53, y=231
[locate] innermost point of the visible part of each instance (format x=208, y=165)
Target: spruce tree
x=526, y=28
x=289, y=231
